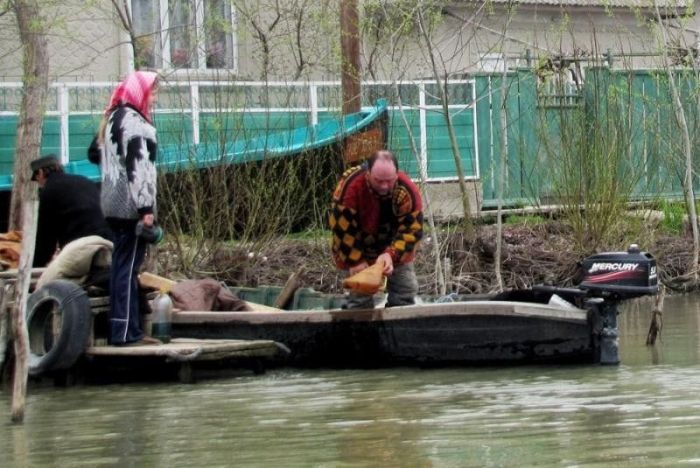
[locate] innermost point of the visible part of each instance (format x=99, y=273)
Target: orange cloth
x=10, y=248
x=368, y=281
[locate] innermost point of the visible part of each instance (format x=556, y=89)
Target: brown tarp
x=206, y=295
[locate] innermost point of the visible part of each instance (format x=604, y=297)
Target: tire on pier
x=59, y=322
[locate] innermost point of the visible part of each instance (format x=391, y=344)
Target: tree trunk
x=441, y=284
x=23, y=205
x=350, y=56
x=19, y=311
x=501, y=178
x=31, y=118
x=688, y=191
x=467, y=224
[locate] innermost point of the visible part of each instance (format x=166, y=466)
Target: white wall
x=85, y=40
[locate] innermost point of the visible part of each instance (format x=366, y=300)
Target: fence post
x=63, y=112
x=194, y=103
x=423, y=132
x=313, y=103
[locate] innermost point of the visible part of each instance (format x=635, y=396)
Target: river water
x=644, y=412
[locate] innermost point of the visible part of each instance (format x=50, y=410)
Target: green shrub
x=530, y=220
x=674, y=213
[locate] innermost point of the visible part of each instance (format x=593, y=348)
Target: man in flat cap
x=69, y=208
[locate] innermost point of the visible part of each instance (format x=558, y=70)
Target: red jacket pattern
x=364, y=225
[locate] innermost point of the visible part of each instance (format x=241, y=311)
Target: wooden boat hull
x=478, y=332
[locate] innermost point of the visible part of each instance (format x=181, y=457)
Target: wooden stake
x=290, y=287
x=21, y=335
x=4, y=325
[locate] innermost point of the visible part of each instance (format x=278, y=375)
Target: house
x=299, y=40
x=281, y=59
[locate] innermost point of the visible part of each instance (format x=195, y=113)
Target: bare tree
x=442, y=82
x=23, y=206
x=679, y=112
x=35, y=63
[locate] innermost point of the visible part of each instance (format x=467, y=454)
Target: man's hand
x=357, y=268
x=148, y=219
x=388, y=263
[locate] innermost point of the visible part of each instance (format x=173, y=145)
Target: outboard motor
x=608, y=279
x=620, y=275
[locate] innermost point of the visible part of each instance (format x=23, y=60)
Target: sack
x=368, y=281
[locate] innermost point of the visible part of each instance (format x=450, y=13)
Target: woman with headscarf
x=127, y=153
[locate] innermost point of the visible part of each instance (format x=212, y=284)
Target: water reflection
x=645, y=412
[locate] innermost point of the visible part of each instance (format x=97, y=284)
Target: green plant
x=594, y=171
x=674, y=213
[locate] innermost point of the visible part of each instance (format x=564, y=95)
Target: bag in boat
x=368, y=281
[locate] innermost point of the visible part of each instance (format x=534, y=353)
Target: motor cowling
x=621, y=275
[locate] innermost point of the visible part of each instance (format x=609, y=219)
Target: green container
x=256, y=295
x=271, y=293
x=309, y=299
x=337, y=301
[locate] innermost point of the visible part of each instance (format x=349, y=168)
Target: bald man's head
x=383, y=176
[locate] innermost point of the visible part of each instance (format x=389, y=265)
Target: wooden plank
x=290, y=287
x=261, y=308
x=188, y=349
x=159, y=283
x=100, y=301
x=5, y=292
x=12, y=273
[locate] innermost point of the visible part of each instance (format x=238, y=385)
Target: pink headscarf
x=134, y=90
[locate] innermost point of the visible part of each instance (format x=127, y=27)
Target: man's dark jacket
x=69, y=208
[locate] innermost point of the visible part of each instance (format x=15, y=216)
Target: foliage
x=674, y=214
x=249, y=202
x=593, y=170
x=525, y=219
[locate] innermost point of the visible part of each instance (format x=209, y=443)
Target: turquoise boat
x=359, y=134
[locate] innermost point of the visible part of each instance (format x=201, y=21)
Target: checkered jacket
x=365, y=225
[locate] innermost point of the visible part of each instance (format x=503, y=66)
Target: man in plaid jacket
x=377, y=215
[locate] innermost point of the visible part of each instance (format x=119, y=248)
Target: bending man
x=377, y=215
x=69, y=208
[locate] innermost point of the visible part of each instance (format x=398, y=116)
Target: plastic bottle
x=162, y=317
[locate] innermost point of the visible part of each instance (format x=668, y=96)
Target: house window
x=495, y=62
x=184, y=34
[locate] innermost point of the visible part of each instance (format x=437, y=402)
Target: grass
x=528, y=220
x=674, y=214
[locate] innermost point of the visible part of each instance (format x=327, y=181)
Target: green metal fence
x=204, y=112
x=633, y=107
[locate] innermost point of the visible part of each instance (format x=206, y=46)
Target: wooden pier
x=186, y=353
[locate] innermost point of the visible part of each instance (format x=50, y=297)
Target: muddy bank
x=531, y=254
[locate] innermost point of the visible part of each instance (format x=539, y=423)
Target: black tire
x=49, y=353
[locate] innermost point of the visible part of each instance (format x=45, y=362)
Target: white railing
x=315, y=104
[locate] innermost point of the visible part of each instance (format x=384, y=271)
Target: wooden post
x=293, y=283
x=4, y=326
x=21, y=335
x=350, y=56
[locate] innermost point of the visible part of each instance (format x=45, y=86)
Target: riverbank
x=531, y=254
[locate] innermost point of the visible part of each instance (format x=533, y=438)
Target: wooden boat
x=448, y=333
x=543, y=324
x=357, y=135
